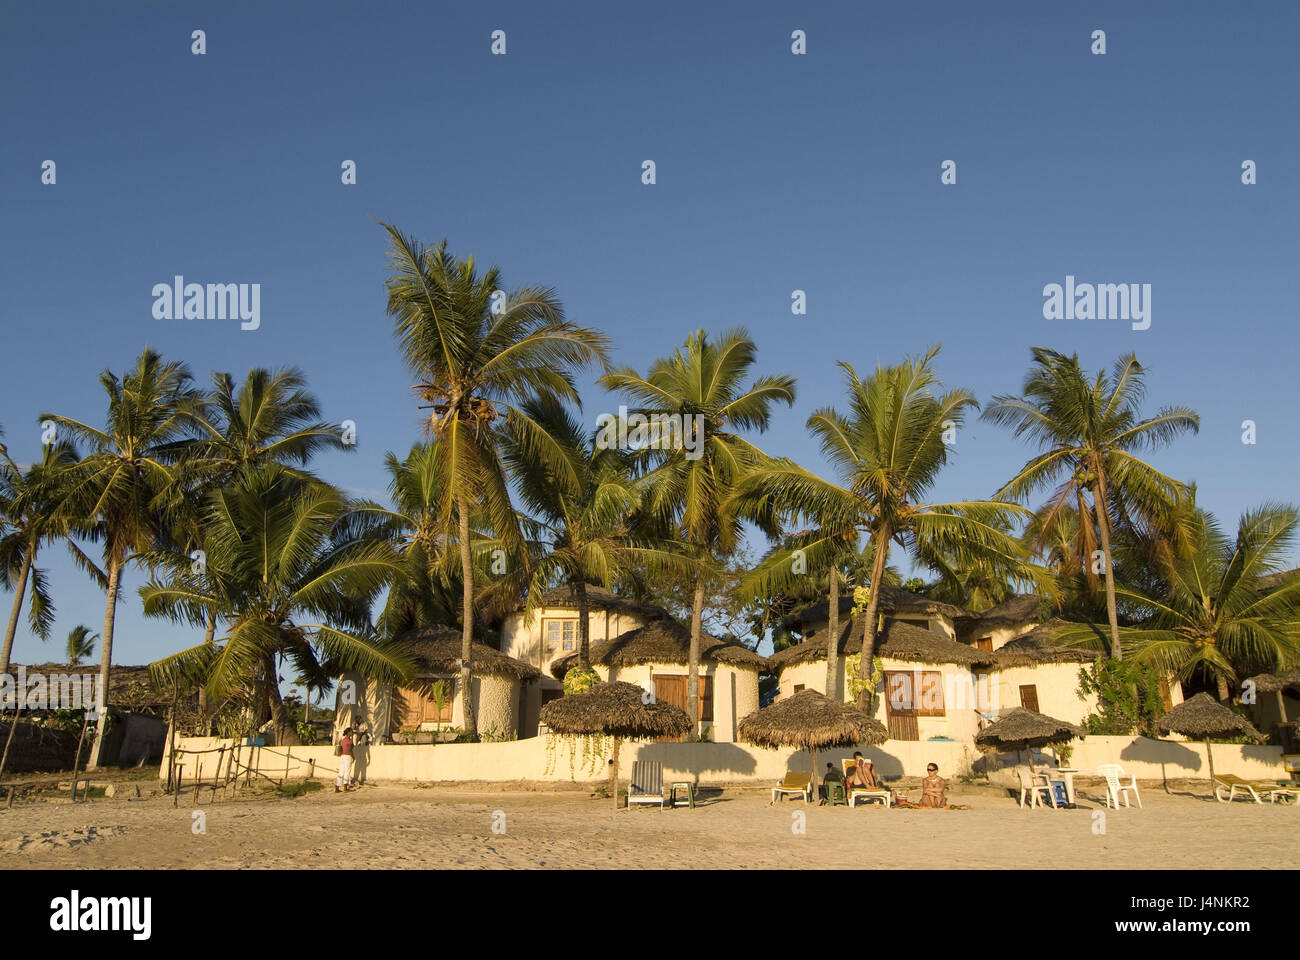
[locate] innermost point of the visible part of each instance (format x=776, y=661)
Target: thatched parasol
x=813, y=721
x=621, y=710
x=1021, y=729
x=1275, y=683
x=1204, y=717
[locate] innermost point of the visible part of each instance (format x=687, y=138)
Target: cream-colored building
x=551, y=632
x=501, y=688
x=655, y=658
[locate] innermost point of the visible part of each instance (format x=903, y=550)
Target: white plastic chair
x=1031, y=789
x=1115, y=788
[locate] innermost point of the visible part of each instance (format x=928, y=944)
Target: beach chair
x=796, y=781
x=862, y=794
x=1291, y=764
x=1230, y=783
x=647, y=784
x=1031, y=790
x=1115, y=788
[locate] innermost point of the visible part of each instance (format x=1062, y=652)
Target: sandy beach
x=405, y=826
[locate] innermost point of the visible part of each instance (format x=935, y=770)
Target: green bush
x=1128, y=697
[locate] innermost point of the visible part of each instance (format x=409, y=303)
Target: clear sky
x=775, y=172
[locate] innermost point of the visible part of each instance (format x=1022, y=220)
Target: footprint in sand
x=58, y=839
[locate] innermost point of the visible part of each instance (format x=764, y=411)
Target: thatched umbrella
x=1275, y=683
x=813, y=721
x=1021, y=729
x=620, y=710
x=1203, y=716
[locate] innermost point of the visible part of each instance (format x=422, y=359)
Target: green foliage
x=306, y=732
x=579, y=681
x=1128, y=695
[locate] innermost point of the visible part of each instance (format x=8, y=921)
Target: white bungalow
x=502, y=688
x=551, y=632
x=656, y=657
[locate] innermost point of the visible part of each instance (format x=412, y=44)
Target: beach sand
x=408, y=826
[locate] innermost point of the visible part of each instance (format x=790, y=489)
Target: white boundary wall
x=715, y=763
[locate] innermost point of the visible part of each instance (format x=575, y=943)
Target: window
x=561, y=635
x=984, y=643
x=798, y=687
x=1029, y=696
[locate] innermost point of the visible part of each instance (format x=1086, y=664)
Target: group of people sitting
x=863, y=776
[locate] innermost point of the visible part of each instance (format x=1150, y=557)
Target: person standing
x=344, y=752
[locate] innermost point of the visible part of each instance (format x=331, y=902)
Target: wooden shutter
x=900, y=705
x=671, y=688
x=1029, y=696
x=984, y=643
x=706, y=699
x=929, y=697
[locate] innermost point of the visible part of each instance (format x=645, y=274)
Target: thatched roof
x=598, y=598
x=810, y=720
x=1018, y=609
x=1037, y=646
x=120, y=678
x=436, y=650
x=1203, y=716
x=662, y=641
x=1023, y=729
x=1273, y=682
x=893, y=600
x=1272, y=581
x=900, y=641
x=617, y=709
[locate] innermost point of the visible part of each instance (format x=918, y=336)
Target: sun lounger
x=1230, y=783
x=647, y=783
x=1116, y=788
x=862, y=794
x=795, y=781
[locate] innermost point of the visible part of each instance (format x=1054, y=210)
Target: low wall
x=557, y=760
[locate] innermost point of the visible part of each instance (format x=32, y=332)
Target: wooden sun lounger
x=795, y=781
x=1255, y=790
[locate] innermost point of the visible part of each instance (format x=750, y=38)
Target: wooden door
x=900, y=705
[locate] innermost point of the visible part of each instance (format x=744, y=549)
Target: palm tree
x=125, y=481
x=889, y=451
x=427, y=591
x=270, y=418
x=479, y=353
x=1215, y=618
x=586, y=523
x=823, y=557
x=81, y=644
x=1088, y=432
x=275, y=541
x=29, y=501
x=694, y=489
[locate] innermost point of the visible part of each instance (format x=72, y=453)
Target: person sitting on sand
x=933, y=788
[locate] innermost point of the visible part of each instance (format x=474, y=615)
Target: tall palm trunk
x=1099, y=507
x=19, y=591
x=1223, y=688
x=833, y=641
x=869, y=626
x=467, y=631
x=584, y=627
x=106, y=658
x=208, y=634
x=693, y=670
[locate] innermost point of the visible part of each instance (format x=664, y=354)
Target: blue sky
x=775, y=172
